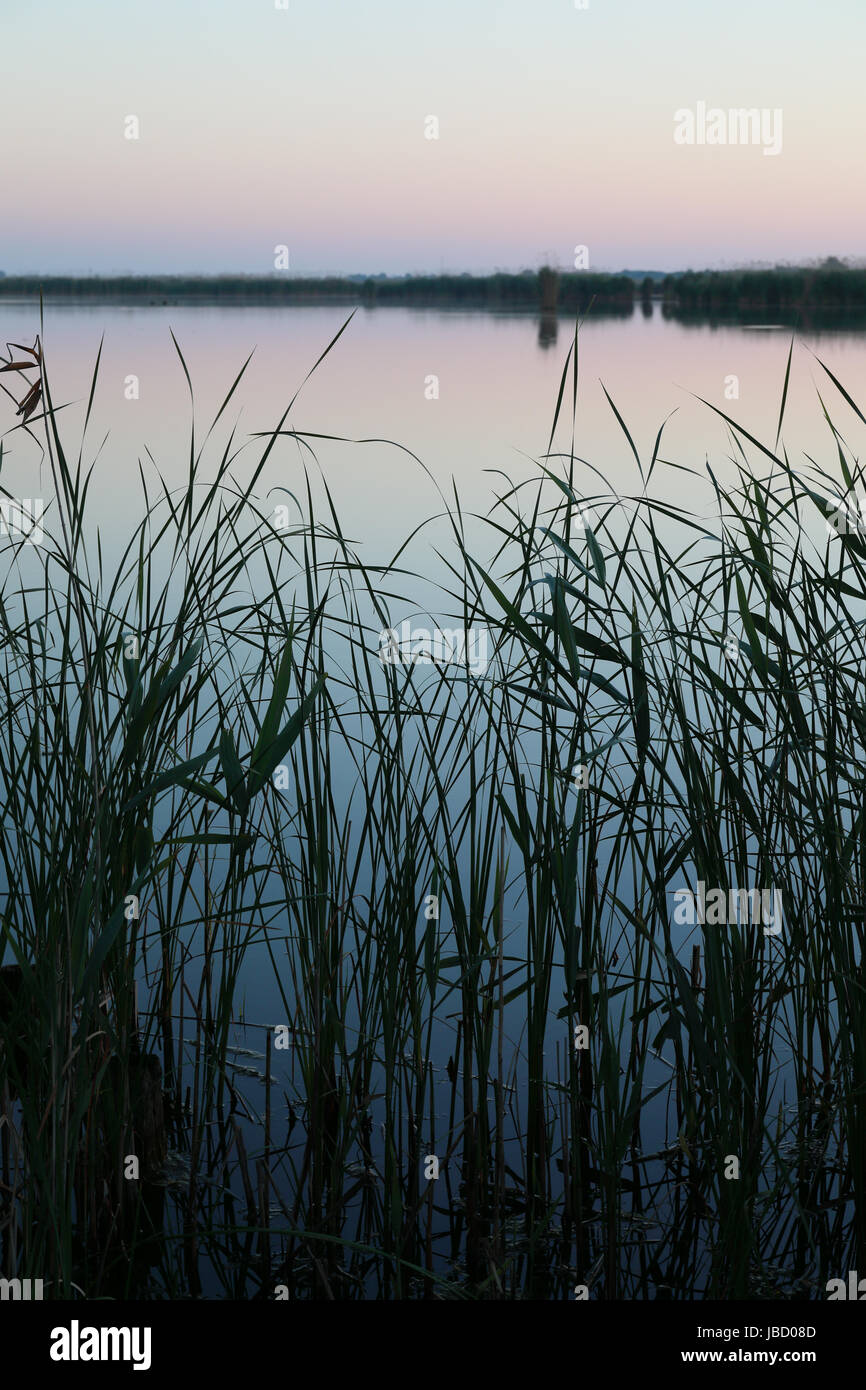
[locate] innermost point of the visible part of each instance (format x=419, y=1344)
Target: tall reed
x=462, y=885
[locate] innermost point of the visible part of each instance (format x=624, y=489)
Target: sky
x=305, y=127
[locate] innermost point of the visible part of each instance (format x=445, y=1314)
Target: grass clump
x=458, y=884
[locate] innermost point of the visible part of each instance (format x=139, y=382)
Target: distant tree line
x=832, y=285
x=575, y=291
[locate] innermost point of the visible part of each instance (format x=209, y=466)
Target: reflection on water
x=548, y=330
x=468, y=393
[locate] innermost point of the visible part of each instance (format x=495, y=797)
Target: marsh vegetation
x=461, y=886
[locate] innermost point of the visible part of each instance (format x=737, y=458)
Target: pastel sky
x=305, y=127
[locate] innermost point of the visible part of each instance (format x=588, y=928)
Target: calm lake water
x=472, y=395
x=497, y=378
